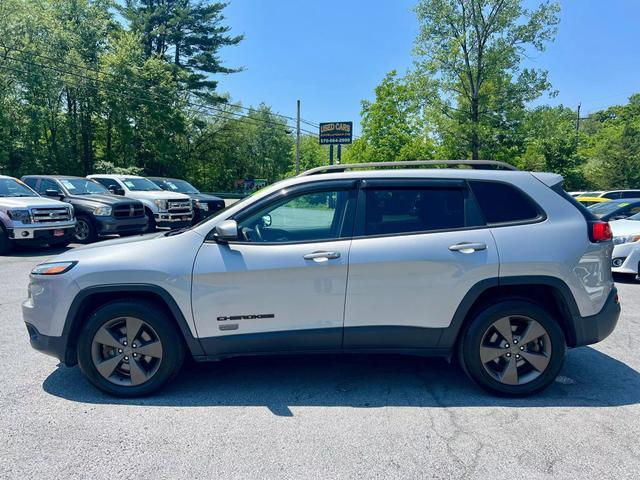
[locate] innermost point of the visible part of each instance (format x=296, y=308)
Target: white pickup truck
x=28, y=218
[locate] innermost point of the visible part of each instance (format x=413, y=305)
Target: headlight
x=19, y=215
x=161, y=204
x=102, y=211
x=201, y=205
x=627, y=239
x=53, y=268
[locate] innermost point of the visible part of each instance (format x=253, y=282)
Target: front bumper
x=52, y=346
x=173, y=220
x=594, y=329
x=113, y=225
x=628, y=254
x=42, y=234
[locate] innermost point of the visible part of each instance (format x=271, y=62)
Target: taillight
x=600, y=231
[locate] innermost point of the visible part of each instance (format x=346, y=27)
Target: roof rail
x=481, y=164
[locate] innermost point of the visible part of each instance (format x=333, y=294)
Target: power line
x=253, y=120
x=191, y=104
x=95, y=70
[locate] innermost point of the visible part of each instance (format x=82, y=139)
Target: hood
x=621, y=228
x=30, y=202
x=205, y=197
x=158, y=194
x=102, y=199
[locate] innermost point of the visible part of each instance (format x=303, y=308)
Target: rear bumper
x=52, y=346
x=593, y=329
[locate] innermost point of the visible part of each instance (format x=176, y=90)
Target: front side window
x=391, y=210
x=46, y=184
x=308, y=217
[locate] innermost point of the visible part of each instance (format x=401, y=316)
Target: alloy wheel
x=82, y=230
x=126, y=351
x=515, y=350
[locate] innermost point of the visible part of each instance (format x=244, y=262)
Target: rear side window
x=631, y=194
x=503, y=203
x=390, y=210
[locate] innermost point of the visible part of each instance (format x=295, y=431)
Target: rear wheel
x=130, y=349
x=85, y=230
x=513, y=348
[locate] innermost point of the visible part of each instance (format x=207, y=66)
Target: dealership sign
x=336, y=133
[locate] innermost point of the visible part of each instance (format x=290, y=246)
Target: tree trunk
x=87, y=140
x=109, y=146
x=475, y=122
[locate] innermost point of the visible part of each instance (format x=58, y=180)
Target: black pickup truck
x=98, y=212
x=203, y=205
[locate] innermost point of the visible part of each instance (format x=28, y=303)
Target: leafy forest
x=90, y=86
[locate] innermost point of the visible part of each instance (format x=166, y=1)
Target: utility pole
x=578, y=120
x=298, y=139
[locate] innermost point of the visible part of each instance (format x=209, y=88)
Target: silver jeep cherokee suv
x=500, y=268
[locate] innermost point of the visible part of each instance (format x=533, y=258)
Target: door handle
x=320, y=255
x=468, y=247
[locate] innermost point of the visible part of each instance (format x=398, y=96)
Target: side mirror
x=266, y=220
x=116, y=190
x=53, y=193
x=226, y=231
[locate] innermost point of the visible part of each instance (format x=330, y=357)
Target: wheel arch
x=549, y=292
x=90, y=299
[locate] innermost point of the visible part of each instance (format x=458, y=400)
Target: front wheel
x=6, y=245
x=85, y=230
x=130, y=348
x=151, y=222
x=513, y=348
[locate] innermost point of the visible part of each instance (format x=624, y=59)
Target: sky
x=332, y=54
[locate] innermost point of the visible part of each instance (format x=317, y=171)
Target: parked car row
x=58, y=209
x=622, y=209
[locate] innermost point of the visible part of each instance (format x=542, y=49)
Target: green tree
x=188, y=34
x=394, y=126
x=471, y=51
x=551, y=144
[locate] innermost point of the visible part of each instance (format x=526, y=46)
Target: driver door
x=282, y=285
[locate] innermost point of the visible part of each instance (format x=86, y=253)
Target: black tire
x=162, y=326
x=89, y=233
x=6, y=245
x=481, y=331
x=151, y=221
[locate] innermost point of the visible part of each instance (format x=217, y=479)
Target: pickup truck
x=28, y=218
x=98, y=212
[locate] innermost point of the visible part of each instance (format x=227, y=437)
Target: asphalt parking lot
x=317, y=417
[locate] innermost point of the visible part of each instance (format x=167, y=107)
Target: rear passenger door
x=418, y=248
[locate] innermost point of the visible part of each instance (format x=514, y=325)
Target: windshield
x=635, y=217
x=605, y=208
x=10, y=187
x=178, y=186
x=140, y=184
x=82, y=186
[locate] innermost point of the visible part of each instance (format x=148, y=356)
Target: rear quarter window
x=503, y=203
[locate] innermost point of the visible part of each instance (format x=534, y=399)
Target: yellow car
x=588, y=201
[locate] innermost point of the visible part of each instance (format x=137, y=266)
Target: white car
x=626, y=252
x=163, y=209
